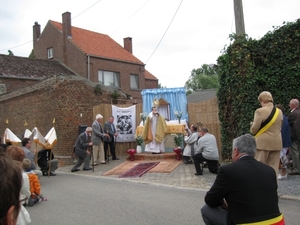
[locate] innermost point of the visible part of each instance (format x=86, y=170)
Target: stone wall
x=65, y=102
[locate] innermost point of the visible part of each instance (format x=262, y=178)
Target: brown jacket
x=271, y=138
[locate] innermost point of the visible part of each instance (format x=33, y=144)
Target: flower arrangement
x=177, y=139
x=178, y=115
x=139, y=140
x=143, y=117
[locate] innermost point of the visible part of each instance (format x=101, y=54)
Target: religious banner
x=125, y=123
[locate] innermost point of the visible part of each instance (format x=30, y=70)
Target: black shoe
x=87, y=168
x=294, y=173
x=74, y=170
x=198, y=174
x=116, y=158
x=52, y=174
x=188, y=162
x=45, y=173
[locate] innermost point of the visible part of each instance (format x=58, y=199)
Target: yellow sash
x=263, y=129
x=279, y=220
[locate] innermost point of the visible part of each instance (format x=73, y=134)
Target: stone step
x=150, y=156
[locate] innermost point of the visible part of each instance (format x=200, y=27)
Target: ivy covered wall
x=248, y=67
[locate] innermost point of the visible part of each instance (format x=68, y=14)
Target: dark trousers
x=214, y=215
x=85, y=160
x=111, y=145
x=213, y=165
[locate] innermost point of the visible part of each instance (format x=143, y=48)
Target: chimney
x=36, y=33
x=66, y=34
x=66, y=25
x=128, y=44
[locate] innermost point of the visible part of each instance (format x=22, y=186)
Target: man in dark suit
x=294, y=122
x=244, y=191
x=110, y=129
x=81, y=150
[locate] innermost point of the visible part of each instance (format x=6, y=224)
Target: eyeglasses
x=23, y=200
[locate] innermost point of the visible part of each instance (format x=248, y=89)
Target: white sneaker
x=282, y=177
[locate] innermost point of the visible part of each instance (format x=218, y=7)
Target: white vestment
x=153, y=146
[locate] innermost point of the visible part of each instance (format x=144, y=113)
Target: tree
x=10, y=52
x=160, y=86
x=205, y=77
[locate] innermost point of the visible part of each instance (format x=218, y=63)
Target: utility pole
x=239, y=17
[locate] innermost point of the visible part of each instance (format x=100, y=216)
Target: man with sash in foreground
x=266, y=127
x=244, y=192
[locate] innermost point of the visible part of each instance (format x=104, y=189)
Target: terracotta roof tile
x=98, y=44
x=149, y=76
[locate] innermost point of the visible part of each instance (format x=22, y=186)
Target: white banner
x=125, y=123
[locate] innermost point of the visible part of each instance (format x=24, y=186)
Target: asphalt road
x=83, y=199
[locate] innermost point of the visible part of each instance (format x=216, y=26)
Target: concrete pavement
x=183, y=177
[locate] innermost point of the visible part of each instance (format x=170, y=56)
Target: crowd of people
x=91, y=146
x=235, y=196
x=28, y=162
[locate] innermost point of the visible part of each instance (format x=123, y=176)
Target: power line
x=86, y=9
x=165, y=32
x=15, y=46
x=31, y=40
x=130, y=17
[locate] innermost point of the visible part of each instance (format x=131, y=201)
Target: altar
x=173, y=127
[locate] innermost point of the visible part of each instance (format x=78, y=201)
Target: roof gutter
x=89, y=69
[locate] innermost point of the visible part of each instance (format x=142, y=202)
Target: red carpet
x=139, y=169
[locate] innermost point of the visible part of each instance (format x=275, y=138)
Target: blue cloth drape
x=175, y=96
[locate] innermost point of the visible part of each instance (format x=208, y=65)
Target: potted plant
x=143, y=117
x=178, y=138
x=115, y=95
x=178, y=115
x=139, y=140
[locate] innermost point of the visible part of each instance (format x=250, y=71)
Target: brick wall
x=69, y=100
x=15, y=84
x=149, y=84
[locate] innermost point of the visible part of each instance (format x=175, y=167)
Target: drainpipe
x=89, y=70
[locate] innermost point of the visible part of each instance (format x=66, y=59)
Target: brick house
x=94, y=56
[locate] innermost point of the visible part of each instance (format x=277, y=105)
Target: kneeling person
x=206, y=150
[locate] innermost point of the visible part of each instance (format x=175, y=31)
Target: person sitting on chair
x=206, y=149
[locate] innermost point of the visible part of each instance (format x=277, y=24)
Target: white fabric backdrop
x=125, y=123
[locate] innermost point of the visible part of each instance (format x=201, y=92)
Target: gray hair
x=89, y=129
x=295, y=102
x=204, y=129
x=99, y=116
x=245, y=144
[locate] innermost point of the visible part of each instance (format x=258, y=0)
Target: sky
x=172, y=37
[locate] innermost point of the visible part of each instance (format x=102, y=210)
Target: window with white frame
x=50, y=53
x=108, y=78
x=134, y=81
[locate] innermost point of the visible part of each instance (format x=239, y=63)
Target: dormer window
x=50, y=53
